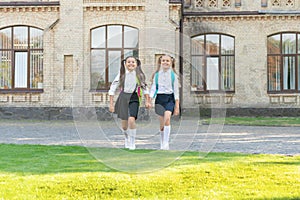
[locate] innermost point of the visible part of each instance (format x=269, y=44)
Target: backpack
x=139, y=91
x=156, y=81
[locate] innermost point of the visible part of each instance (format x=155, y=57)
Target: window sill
x=99, y=91
x=3, y=91
x=28, y=3
x=284, y=93
x=212, y=92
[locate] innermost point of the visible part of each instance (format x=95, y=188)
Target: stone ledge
x=114, y=8
x=61, y=113
x=243, y=112
x=240, y=18
x=30, y=9
x=214, y=99
x=284, y=99
x=113, y=1
x=30, y=3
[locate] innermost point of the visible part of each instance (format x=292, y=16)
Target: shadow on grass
x=39, y=159
x=43, y=159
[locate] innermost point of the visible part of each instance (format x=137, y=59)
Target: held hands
x=148, y=104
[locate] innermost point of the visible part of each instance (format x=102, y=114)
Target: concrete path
x=184, y=136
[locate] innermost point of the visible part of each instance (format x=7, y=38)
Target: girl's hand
x=176, y=111
x=148, y=105
x=111, y=108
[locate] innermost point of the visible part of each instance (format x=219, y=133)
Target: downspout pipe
x=181, y=53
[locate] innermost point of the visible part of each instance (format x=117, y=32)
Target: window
x=109, y=45
x=21, y=54
x=283, y=62
x=212, y=66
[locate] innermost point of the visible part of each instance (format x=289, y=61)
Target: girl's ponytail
x=140, y=74
x=122, y=73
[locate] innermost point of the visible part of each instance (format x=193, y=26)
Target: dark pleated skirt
x=127, y=105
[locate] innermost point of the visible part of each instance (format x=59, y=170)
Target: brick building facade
x=236, y=54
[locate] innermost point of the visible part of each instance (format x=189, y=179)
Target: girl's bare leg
x=124, y=125
x=167, y=118
x=161, y=123
x=131, y=123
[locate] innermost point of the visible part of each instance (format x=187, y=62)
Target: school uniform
x=127, y=104
x=165, y=92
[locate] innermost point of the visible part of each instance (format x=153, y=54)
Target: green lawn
x=70, y=172
x=255, y=121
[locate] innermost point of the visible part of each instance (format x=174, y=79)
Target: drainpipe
x=181, y=53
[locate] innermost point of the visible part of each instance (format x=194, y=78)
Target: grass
x=255, y=121
x=71, y=172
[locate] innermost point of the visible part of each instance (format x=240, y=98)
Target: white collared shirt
x=165, y=85
x=129, y=83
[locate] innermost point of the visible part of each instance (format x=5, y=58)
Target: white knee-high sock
x=161, y=133
x=126, y=138
x=167, y=131
x=131, y=134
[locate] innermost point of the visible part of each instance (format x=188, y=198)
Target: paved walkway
x=185, y=136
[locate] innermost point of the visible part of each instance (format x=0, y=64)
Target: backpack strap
x=139, y=91
x=156, y=81
x=173, y=79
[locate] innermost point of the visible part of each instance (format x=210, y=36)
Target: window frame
x=205, y=55
x=281, y=55
x=12, y=50
x=107, y=49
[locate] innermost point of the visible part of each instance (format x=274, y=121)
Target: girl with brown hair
x=131, y=81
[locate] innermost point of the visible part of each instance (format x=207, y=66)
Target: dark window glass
x=283, y=63
x=110, y=44
x=5, y=38
x=212, y=65
x=21, y=54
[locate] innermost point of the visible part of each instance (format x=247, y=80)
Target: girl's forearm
x=111, y=99
x=177, y=103
x=147, y=97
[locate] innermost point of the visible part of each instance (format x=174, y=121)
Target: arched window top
x=114, y=36
x=284, y=43
x=213, y=43
x=21, y=37
x=114, y=25
x=33, y=27
x=203, y=34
